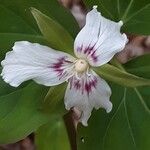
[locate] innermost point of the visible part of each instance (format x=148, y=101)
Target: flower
x=96, y=44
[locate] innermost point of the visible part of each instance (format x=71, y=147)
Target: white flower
x=95, y=45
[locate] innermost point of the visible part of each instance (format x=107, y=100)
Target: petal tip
x=120, y=23
x=95, y=7
x=2, y=63
x=14, y=85
x=67, y=106
x=33, y=10
x=11, y=83
x=8, y=81
x=109, y=108
x=84, y=123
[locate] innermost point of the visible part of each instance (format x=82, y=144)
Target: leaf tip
x=33, y=10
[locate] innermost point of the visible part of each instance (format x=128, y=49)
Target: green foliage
x=134, y=13
x=54, y=100
x=18, y=23
x=139, y=66
x=20, y=113
x=121, y=77
x=21, y=19
x=51, y=30
x=52, y=136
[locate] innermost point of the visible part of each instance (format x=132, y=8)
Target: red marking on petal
x=83, y=85
x=58, y=67
x=80, y=48
x=77, y=85
x=94, y=57
x=90, y=85
x=89, y=50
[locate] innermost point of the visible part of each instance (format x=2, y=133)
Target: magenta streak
x=79, y=49
x=82, y=85
x=59, y=63
x=90, y=85
x=83, y=82
x=63, y=75
x=77, y=85
x=94, y=57
x=58, y=66
x=89, y=51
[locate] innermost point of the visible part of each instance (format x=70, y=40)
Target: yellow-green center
x=81, y=65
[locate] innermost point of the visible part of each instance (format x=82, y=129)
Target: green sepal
x=53, y=32
x=116, y=75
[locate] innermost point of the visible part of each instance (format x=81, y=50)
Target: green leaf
x=139, y=66
x=52, y=31
x=54, y=100
x=21, y=113
x=118, y=76
x=12, y=22
x=125, y=128
x=52, y=136
x=134, y=13
x=19, y=11
x=16, y=20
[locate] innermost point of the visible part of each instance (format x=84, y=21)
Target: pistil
x=81, y=65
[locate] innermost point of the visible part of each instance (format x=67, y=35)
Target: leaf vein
x=103, y=143
x=142, y=100
x=129, y=125
x=127, y=10
x=107, y=11
x=134, y=14
x=118, y=7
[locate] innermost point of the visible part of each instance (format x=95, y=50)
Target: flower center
x=81, y=65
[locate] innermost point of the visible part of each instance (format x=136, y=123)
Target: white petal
x=99, y=40
x=33, y=61
x=87, y=93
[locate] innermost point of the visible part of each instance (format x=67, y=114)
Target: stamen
x=87, y=73
x=67, y=80
x=69, y=69
x=71, y=75
x=76, y=74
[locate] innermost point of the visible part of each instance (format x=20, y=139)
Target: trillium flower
x=96, y=44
